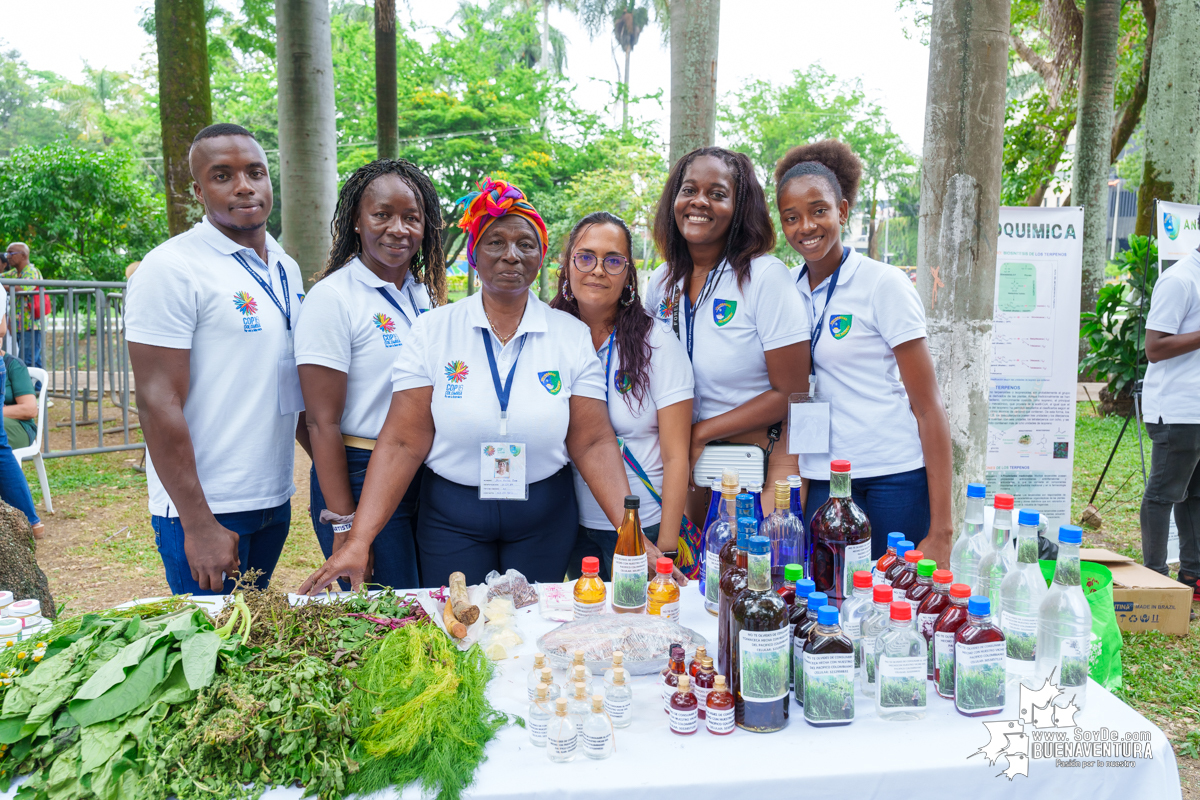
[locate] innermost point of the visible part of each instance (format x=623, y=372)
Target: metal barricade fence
x=82, y=343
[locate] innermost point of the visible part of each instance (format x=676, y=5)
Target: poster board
x=1035, y=359
x=1178, y=232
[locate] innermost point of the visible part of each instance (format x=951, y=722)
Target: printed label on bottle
x=877, y=575
x=943, y=646
x=701, y=693
x=667, y=691
x=597, y=743
x=588, y=609
x=629, y=581
x=669, y=611
x=537, y=729
x=853, y=629
x=897, y=594
x=617, y=708
x=902, y=681
x=925, y=626
x=764, y=665
x=685, y=721
x=868, y=661
x=979, y=676
x=797, y=665
x=719, y=720
x=828, y=687
x=858, y=557
x=1073, y=664
x=914, y=604
x=564, y=742
x=712, y=577
x=1020, y=641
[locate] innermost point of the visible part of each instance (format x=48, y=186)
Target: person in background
x=732, y=305
x=648, y=387
x=20, y=400
x=1171, y=405
x=14, y=488
x=870, y=359
x=28, y=330
x=381, y=273
x=209, y=320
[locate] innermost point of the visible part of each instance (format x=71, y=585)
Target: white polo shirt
x=347, y=325
x=636, y=423
x=1171, y=390
x=445, y=350
x=874, y=308
x=733, y=330
x=190, y=293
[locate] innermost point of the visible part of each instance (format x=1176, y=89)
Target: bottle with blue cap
x=887, y=559
x=759, y=634
x=971, y=545
x=896, y=567
x=979, y=656
x=1021, y=595
x=801, y=632
x=797, y=614
x=1000, y=560
x=829, y=671
x=1065, y=624
x=901, y=655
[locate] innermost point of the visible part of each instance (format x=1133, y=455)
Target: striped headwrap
x=494, y=200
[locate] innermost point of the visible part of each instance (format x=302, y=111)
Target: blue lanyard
x=387, y=296
x=502, y=391
x=608, y=361
x=285, y=307
x=689, y=318
x=816, y=332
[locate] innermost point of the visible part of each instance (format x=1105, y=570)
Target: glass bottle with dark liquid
x=924, y=585
x=907, y=578
x=887, y=559
x=760, y=633
x=829, y=672
x=800, y=635
x=797, y=611
x=953, y=617
x=896, y=567
x=841, y=538
x=733, y=581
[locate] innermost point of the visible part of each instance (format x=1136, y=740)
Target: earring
x=627, y=302
x=566, y=291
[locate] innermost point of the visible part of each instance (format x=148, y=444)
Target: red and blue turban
x=494, y=200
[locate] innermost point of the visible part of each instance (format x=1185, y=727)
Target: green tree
x=628, y=18
x=25, y=115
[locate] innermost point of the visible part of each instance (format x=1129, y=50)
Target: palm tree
x=629, y=18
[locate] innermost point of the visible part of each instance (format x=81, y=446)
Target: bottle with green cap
x=924, y=585
x=1065, y=624
x=1021, y=594
x=1000, y=560
x=759, y=634
x=791, y=574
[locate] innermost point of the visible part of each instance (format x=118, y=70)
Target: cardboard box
x=1143, y=599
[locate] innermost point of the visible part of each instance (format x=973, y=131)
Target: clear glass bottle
x=971, y=545
x=714, y=505
x=717, y=536
x=887, y=559
x=547, y=677
x=1065, y=624
x=897, y=567
x=618, y=699
x=907, y=578
x=578, y=674
x=953, y=617
x=1000, y=560
x=597, y=732
x=618, y=660
x=718, y=712
x=786, y=533
x=979, y=674
x=841, y=538
x=580, y=705
x=591, y=596
x=562, y=737
x=539, y=715
x=702, y=683
x=535, y=675
x=854, y=611
x=829, y=670
x=684, y=710
x=1021, y=595
x=928, y=612
x=901, y=658
x=759, y=633
x=629, y=562
x=662, y=593
x=874, y=624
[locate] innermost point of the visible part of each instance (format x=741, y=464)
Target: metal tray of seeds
x=644, y=641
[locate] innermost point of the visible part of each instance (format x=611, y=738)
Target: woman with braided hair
x=385, y=267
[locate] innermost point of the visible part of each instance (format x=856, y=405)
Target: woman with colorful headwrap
x=494, y=394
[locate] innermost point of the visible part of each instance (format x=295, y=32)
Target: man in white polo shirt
x=1171, y=395
x=209, y=320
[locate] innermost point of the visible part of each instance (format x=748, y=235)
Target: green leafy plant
x=1116, y=330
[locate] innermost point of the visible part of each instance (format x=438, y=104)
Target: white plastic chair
x=34, y=450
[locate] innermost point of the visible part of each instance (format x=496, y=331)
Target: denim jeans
x=1174, y=482
x=898, y=502
x=30, y=342
x=601, y=544
x=14, y=489
x=261, y=534
x=395, y=547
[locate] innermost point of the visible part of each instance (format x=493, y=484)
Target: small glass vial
x=703, y=682
x=555, y=690
x=597, y=731
x=539, y=716
x=662, y=592
x=901, y=657
x=562, y=737
x=618, y=662
x=535, y=675
x=590, y=594
x=671, y=675
x=718, y=716
x=579, y=706
x=694, y=664
x=685, y=717
x=579, y=674
x=618, y=700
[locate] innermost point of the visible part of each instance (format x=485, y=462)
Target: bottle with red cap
x=907, y=579
x=930, y=609
x=662, y=593
x=953, y=617
x=979, y=653
x=875, y=623
x=590, y=592
x=900, y=653
x=896, y=567
x=854, y=611
x=887, y=559
x=1001, y=559
x=841, y=538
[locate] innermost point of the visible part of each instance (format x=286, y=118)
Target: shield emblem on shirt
x=551, y=381
x=723, y=311
x=839, y=325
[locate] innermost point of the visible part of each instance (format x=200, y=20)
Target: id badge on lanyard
x=809, y=412
x=501, y=461
x=291, y=400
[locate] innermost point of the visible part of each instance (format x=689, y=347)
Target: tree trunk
x=1130, y=113
x=1172, y=115
x=872, y=228
x=307, y=131
x=1093, y=140
x=959, y=214
x=545, y=54
x=625, y=97
x=386, y=121
x=184, y=100
x=19, y=570
x=694, y=28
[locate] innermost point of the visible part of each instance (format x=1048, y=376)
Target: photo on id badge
x=502, y=471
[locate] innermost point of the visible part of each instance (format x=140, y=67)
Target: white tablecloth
x=868, y=758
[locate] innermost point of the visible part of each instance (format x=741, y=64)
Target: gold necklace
x=503, y=339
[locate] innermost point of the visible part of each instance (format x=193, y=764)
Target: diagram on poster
x=1024, y=322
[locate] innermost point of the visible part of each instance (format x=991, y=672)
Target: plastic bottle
x=579, y=706
x=907, y=578
x=539, y=715
x=591, y=596
x=1065, y=624
x=662, y=593
x=618, y=661
x=901, y=656
x=684, y=710
x=791, y=574
x=800, y=634
x=798, y=613
x=854, y=611
x=979, y=652
x=719, y=713
x=930, y=609
x=1021, y=595
x=953, y=617
x=618, y=699
x=717, y=536
x=971, y=545
x=629, y=562
x=924, y=585
x=887, y=559
x=786, y=532
x=702, y=683
x=841, y=538
x=562, y=737
x=896, y=567
x=874, y=624
x=714, y=504
x=829, y=670
x=597, y=733
x=535, y=675
x=998, y=561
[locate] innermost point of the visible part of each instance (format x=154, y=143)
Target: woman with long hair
x=648, y=386
x=732, y=304
x=873, y=361
x=385, y=269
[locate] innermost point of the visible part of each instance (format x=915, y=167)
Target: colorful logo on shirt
x=246, y=305
x=387, y=326
x=515, y=449
x=300, y=296
x=1171, y=225
x=456, y=373
x=839, y=325
x=723, y=311
x=551, y=380
x=623, y=381
x=666, y=308
x=489, y=450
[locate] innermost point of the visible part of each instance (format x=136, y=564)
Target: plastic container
x=1065, y=624
x=1021, y=595
x=6, y=599
x=591, y=596
x=971, y=545
x=22, y=608
x=662, y=593
x=855, y=610
x=901, y=659
x=874, y=625
x=979, y=653
x=1001, y=559
x=887, y=559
